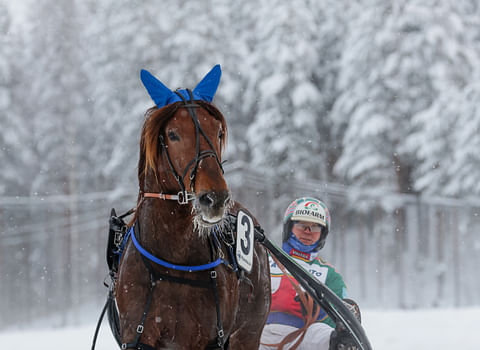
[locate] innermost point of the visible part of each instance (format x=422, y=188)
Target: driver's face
x=307, y=232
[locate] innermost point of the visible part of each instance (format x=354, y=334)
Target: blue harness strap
x=164, y=263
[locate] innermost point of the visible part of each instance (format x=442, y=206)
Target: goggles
x=316, y=228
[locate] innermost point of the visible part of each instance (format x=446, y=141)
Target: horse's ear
x=207, y=87
x=157, y=91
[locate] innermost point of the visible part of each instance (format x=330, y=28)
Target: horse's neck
x=167, y=231
x=166, y=227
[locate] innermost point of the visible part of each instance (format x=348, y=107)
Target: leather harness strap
x=155, y=276
x=161, y=196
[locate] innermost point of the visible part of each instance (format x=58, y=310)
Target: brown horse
x=161, y=306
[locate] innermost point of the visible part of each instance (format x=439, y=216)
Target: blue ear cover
x=207, y=87
x=159, y=93
x=162, y=95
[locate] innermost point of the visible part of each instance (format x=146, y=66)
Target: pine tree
x=15, y=134
x=295, y=89
x=385, y=84
x=122, y=38
x=57, y=103
x=59, y=120
x=7, y=137
x=445, y=140
x=464, y=170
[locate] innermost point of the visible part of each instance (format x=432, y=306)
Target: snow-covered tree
x=6, y=60
x=465, y=168
x=57, y=98
x=122, y=39
x=449, y=143
x=446, y=140
x=295, y=73
x=236, y=97
x=394, y=56
x=15, y=154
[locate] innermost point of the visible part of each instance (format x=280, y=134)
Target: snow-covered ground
x=387, y=330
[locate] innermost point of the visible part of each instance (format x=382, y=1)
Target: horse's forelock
x=155, y=120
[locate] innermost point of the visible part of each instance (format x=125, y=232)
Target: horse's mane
x=153, y=127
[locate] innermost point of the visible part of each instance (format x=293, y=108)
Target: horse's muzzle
x=212, y=205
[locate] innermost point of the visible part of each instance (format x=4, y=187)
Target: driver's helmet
x=307, y=209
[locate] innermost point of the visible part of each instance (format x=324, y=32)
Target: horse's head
x=181, y=148
x=195, y=154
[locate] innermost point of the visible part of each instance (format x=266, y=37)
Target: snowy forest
x=370, y=105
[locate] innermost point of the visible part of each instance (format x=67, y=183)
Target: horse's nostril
x=226, y=200
x=207, y=200
x=214, y=199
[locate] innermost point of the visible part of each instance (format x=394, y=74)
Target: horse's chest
x=178, y=307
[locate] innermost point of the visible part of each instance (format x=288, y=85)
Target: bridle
x=184, y=196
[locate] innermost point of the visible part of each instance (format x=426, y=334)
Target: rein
x=311, y=313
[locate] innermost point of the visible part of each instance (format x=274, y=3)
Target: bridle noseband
x=184, y=196
x=181, y=197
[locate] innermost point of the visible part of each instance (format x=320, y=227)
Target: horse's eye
x=220, y=134
x=173, y=136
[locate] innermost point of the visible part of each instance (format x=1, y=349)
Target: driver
x=295, y=320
